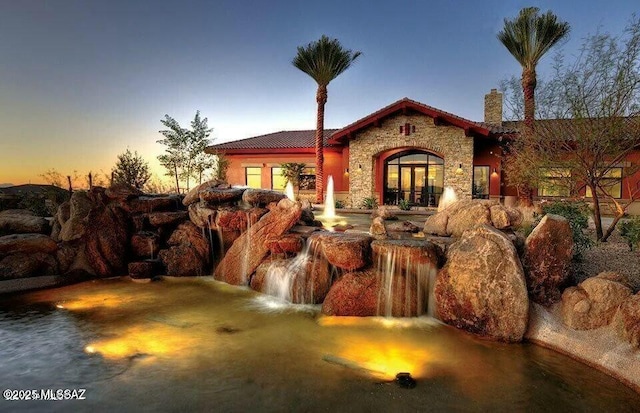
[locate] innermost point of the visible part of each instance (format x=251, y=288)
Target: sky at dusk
x=82, y=81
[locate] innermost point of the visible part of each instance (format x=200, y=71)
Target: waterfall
x=246, y=253
x=288, y=191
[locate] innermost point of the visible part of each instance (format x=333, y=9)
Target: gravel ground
x=613, y=255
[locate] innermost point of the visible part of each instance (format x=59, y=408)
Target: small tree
x=292, y=172
x=221, y=166
x=131, y=170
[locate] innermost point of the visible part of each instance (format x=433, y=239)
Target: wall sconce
x=359, y=167
x=346, y=171
x=495, y=172
x=459, y=170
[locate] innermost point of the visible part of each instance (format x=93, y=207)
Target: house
x=407, y=150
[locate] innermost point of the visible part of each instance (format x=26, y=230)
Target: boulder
x=107, y=240
x=300, y=280
x=148, y=204
x=248, y=251
x=214, y=196
x=144, y=269
x=65, y=256
x=474, y=214
x=194, y=195
x=23, y=265
x=74, y=227
x=547, y=258
x=436, y=224
x=503, y=217
x=481, y=288
x=232, y=219
x=188, y=253
x=288, y=244
x=122, y=192
x=378, y=229
x=261, y=197
x=22, y=221
x=161, y=219
x=27, y=244
x=385, y=212
x=627, y=320
x=202, y=215
x=593, y=303
x=412, y=255
x=145, y=244
x=354, y=294
x=64, y=212
x=403, y=226
x=347, y=251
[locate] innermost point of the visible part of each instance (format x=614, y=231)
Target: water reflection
x=196, y=344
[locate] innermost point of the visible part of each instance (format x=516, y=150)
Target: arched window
x=415, y=176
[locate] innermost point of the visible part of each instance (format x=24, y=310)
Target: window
x=308, y=179
x=415, y=176
x=611, y=182
x=253, y=176
x=480, y=182
x=553, y=182
x=278, y=182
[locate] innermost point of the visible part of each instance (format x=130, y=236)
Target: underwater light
x=405, y=380
x=60, y=306
x=90, y=349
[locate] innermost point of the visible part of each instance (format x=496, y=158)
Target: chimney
x=493, y=108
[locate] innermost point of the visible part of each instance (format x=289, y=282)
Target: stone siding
x=493, y=107
x=449, y=142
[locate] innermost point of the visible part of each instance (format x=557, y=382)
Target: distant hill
x=5, y=185
x=30, y=189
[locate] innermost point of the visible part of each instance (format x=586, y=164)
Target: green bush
x=577, y=213
x=404, y=205
x=339, y=204
x=630, y=231
x=369, y=203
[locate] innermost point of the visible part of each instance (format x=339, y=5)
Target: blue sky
x=81, y=81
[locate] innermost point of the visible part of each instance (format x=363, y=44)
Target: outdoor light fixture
x=346, y=171
x=459, y=170
x=495, y=172
x=359, y=167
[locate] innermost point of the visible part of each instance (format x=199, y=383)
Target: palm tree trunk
x=321, y=98
x=528, y=88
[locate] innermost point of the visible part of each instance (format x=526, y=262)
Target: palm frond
x=324, y=59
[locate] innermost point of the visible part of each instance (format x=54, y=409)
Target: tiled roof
x=277, y=140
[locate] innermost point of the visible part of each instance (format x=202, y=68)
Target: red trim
x=262, y=151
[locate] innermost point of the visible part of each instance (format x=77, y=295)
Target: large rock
x=482, y=289
x=22, y=221
x=378, y=229
x=202, y=215
x=214, y=196
x=122, y=192
x=347, y=251
x=261, y=197
x=436, y=224
x=547, y=258
x=300, y=280
x=354, y=294
x=627, y=320
x=466, y=214
x=474, y=214
x=107, y=239
x=23, y=265
x=162, y=219
x=148, y=204
x=234, y=219
x=593, y=303
x=503, y=217
x=75, y=226
x=287, y=244
x=194, y=195
x=145, y=244
x=64, y=212
x=248, y=251
x=409, y=255
x=27, y=244
x=188, y=253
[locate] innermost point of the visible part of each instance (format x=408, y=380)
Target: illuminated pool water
x=196, y=344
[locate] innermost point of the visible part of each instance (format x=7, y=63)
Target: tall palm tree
x=323, y=60
x=528, y=37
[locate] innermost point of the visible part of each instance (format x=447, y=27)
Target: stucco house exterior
x=406, y=150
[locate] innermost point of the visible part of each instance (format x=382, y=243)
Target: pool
x=186, y=344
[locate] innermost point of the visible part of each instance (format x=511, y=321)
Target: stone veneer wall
x=446, y=141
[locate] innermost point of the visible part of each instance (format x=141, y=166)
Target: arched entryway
x=414, y=175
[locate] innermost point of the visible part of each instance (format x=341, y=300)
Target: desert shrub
x=369, y=203
x=577, y=213
x=339, y=204
x=404, y=205
x=630, y=231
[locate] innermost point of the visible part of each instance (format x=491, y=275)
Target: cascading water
x=406, y=283
x=246, y=253
x=448, y=197
x=294, y=280
x=288, y=191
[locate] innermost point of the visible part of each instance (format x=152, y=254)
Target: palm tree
x=323, y=60
x=528, y=37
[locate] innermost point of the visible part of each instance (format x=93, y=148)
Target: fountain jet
x=288, y=191
x=448, y=197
